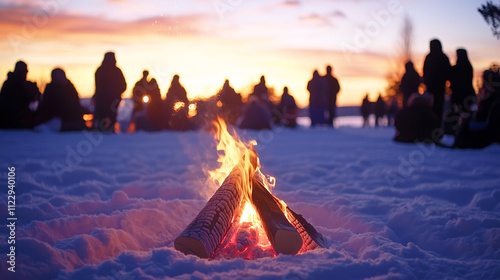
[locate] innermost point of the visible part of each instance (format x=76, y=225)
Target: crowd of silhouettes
x=474, y=119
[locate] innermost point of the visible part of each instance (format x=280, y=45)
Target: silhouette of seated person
x=366, y=111
x=140, y=89
x=152, y=118
x=287, y=111
x=489, y=93
x=176, y=106
x=15, y=97
x=409, y=83
x=60, y=100
x=260, y=90
x=256, y=115
x=417, y=122
x=229, y=103
x=476, y=135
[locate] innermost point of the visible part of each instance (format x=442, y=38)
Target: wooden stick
x=282, y=235
x=202, y=236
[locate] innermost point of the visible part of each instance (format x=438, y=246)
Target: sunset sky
x=207, y=41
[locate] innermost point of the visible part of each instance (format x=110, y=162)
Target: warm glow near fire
x=192, y=110
x=231, y=150
x=179, y=105
x=145, y=99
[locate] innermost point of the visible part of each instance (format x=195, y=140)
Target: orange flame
x=231, y=150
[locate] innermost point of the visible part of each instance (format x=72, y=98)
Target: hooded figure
x=463, y=95
x=409, y=83
x=176, y=106
x=436, y=72
x=109, y=86
x=60, y=100
x=15, y=98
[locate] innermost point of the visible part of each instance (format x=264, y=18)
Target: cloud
x=315, y=19
x=27, y=22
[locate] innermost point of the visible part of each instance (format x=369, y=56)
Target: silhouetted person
x=380, y=110
x=318, y=97
x=176, y=106
x=260, y=90
x=476, y=135
x=287, y=111
x=333, y=90
x=417, y=122
x=153, y=117
x=140, y=89
x=436, y=72
x=366, y=111
x=60, y=100
x=256, y=115
x=229, y=103
x=409, y=83
x=489, y=93
x=15, y=97
x=109, y=86
x=463, y=97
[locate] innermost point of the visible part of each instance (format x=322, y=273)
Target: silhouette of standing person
x=176, y=105
x=140, y=89
x=333, y=90
x=436, y=72
x=380, y=110
x=366, y=111
x=463, y=94
x=15, y=97
x=60, y=100
x=109, y=86
x=318, y=96
x=489, y=93
x=409, y=83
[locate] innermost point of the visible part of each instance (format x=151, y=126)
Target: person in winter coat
x=463, y=94
x=366, y=111
x=436, y=72
x=333, y=90
x=176, y=106
x=287, y=111
x=417, y=122
x=256, y=115
x=109, y=86
x=15, y=97
x=229, y=103
x=60, y=100
x=409, y=83
x=318, y=97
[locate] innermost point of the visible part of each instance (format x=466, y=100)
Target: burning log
x=282, y=235
x=269, y=205
x=208, y=229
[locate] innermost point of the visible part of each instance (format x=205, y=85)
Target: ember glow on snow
x=207, y=41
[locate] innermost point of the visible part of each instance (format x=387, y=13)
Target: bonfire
x=243, y=218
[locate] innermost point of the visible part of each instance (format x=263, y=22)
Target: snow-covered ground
x=91, y=206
